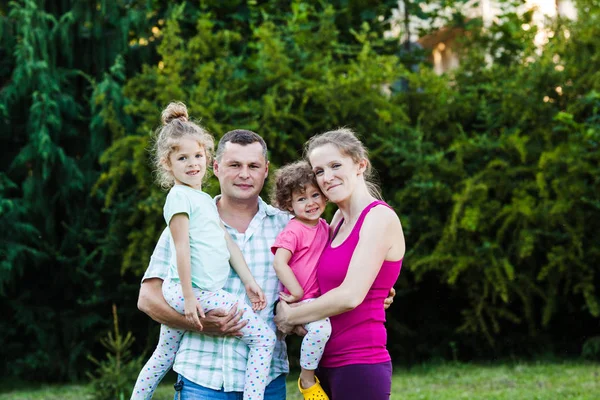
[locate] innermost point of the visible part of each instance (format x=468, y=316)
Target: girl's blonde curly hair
x=176, y=125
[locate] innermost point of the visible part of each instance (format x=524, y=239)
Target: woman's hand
x=192, y=310
x=281, y=317
x=256, y=296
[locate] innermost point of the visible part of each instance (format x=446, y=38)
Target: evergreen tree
x=49, y=273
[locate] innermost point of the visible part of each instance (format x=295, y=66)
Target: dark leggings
x=358, y=381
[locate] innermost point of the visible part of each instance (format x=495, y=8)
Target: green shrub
x=591, y=349
x=115, y=376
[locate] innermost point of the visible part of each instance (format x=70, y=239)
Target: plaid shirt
x=220, y=362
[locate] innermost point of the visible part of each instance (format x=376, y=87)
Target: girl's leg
x=313, y=345
x=159, y=363
x=261, y=341
x=168, y=343
x=256, y=334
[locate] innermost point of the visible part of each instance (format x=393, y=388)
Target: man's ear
x=267, y=170
x=215, y=167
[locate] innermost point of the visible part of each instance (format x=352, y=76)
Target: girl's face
x=337, y=174
x=187, y=163
x=308, y=205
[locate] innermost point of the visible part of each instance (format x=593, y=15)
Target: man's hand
x=219, y=322
x=390, y=299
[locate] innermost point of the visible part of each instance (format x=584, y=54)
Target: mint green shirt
x=220, y=362
x=208, y=248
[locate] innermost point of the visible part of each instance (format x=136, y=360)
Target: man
x=211, y=364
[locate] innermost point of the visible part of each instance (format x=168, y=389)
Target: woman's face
x=336, y=172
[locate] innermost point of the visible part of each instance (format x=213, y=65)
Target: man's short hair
x=240, y=136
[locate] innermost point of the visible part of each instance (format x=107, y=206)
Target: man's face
x=241, y=171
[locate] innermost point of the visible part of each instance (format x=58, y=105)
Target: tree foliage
x=512, y=165
x=493, y=167
x=50, y=276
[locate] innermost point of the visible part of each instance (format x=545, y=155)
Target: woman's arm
x=380, y=237
x=286, y=275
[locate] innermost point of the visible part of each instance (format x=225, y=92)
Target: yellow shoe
x=315, y=392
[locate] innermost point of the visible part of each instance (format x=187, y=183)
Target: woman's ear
x=362, y=165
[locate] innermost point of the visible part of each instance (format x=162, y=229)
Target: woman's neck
x=352, y=207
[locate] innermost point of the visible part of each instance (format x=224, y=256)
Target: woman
x=356, y=271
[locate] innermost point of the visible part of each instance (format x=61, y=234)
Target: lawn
x=515, y=381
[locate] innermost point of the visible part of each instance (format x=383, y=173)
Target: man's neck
x=237, y=213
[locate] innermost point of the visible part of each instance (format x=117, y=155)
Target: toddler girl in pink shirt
x=297, y=250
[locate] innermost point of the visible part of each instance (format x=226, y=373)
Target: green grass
x=514, y=381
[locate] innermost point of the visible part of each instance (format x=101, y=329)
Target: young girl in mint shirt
x=202, y=254
x=357, y=268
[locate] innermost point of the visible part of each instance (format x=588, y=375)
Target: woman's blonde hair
x=348, y=144
x=176, y=125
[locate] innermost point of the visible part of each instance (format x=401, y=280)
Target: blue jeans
x=191, y=391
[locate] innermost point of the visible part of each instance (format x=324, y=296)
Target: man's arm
x=152, y=302
x=389, y=299
x=217, y=322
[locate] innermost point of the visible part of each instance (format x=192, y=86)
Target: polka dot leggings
x=314, y=341
x=256, y=334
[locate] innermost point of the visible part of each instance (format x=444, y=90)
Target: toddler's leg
x=314, y=342
x=159, y=363
x=313, y=345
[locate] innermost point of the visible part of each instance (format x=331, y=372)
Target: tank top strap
x=363, y=215
x=356, y=229
x=336, y=229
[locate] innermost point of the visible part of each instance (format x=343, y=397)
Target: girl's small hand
x=288, y=298
x=256, y=296
x=193, y=309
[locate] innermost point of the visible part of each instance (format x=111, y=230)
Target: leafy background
x=494, y=168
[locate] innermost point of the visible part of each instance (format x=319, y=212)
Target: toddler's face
x=308, y=205
x=187, y=163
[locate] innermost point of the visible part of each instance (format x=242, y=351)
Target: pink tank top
x=358, y=336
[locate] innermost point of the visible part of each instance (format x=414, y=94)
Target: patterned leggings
x=314, y=341
x=256, y=334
